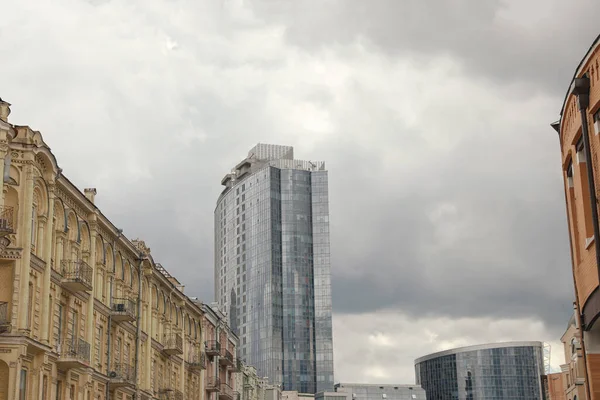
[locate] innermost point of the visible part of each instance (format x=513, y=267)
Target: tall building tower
x=272, y=266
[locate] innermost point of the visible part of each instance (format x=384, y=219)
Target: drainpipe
x=110, y=304
x=581, y=90
x=138, y=334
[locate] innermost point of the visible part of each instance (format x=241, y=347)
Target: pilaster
x=92, y=264
x=48, y=272
x=26, y=216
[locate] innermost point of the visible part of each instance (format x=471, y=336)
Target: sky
x=448, y=222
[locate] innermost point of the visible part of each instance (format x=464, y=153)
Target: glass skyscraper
x=507, y=371
x=272, y=266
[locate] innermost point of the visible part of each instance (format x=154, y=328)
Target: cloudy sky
x=448, y=222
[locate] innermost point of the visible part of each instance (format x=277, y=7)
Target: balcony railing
x=213, y=384
x=123, y=310
x=76, y=276
x=226, y=358
x=73, y=353
x=212, y=348
x=6, y=220
x=225, y=392
x=170, y=394
x=121, y=375
x=197, y=360
x=4, y=321
x=173, y=344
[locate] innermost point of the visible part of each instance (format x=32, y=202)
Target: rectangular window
x=58, y=390
x=30, y=307
x=570, y=174
x=580, y=151
x=45, y=387
x=60, y=323
x=23, y=385
x=597, y=122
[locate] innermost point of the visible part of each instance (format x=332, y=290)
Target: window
x=597, y=122
x=580, y=151
x=58, y=390
x=23, y=385
x=60, y=322
x=30, y=307
x=570, y=174
x=33, y=214
x=45, y=387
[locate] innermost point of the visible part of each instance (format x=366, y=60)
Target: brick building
x=579, y=133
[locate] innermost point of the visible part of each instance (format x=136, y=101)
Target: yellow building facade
x=86, y=313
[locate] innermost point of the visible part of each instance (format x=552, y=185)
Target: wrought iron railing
x=76, y=271
x=212, y=382
x=122, y=371
x=239, y=365
x=170, y=394
x=212, y=347
x=125, y=307
x=4, y=321
x=197, y=360
x=173, y=341
x=226, y=354
x=77, y=349
x=225, y=390
x=7, y=220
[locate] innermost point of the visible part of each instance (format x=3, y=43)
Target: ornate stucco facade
x=86, y=313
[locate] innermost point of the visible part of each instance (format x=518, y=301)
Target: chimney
x=4, y=110
x=90, y=193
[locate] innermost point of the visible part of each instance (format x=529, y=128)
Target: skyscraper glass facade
x=508, y=371
x=272, y=266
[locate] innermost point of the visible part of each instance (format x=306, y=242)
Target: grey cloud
x=540, y=50
x=118, y=120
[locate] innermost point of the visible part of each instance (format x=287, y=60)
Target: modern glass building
x=362, y=391
x=507, y=371
x=272, y=266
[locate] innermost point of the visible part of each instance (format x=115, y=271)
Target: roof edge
x=486, y=346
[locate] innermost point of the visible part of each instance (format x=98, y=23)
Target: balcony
x=76, y=276
x=5, y=326
x=123, y=310
x=121, y=375
x=72, y=354
x=225, y=392
x=212, y=384
x=173, y=344
x=212, y=348
x=226, y=358
x=197, y=361
x=170, y=394
x=6, y=225
x=238, y=365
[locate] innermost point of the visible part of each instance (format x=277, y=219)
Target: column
x=59, y=250
x=149, y=327
x=48, y=272
x=5, y=156
x=40, y=248
x=92, y=263
x=26, y=212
